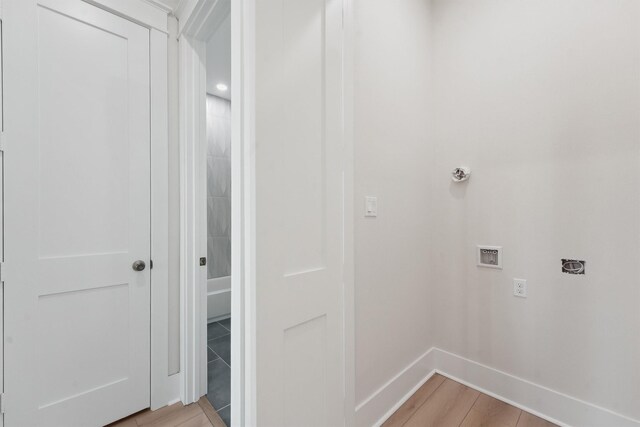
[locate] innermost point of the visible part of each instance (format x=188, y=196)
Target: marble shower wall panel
x=218, y=187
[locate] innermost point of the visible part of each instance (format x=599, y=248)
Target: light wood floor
x=199, y=414
x=442, y=402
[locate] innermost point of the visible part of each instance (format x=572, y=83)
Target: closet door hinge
x=1, y=272
x=1, y=403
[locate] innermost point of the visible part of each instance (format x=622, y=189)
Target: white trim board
x=202, y=17
x=164, y=388
x=243, y=232
x=548, y=404
x=348, y=16
x=192, y=276
x=378, y=407
x=1, y=224
x=139, y=11
x=162, y=5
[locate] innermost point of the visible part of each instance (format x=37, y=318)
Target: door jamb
x=164, y=387
x=197, y=19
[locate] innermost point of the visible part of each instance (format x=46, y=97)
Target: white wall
x=393, y=162
x=542, y=100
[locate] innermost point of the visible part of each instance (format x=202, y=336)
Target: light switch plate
x=371, y=206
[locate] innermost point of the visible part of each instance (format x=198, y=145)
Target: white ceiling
x=219, y=59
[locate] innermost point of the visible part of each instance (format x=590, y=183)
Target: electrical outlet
x=520, y=288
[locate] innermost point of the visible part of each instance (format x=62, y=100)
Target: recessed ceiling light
x=222, y=87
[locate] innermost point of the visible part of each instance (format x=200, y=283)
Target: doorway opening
x=213, y=259
x=218, y=223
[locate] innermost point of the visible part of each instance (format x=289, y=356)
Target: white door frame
x=197, y=21
x=164, y=389
x=1, y=222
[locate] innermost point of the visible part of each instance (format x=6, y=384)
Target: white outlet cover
x=520, y=288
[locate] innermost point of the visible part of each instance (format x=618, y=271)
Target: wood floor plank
x=490, y=412
x=147, y=417
x=446, y=407
x=179, y=417
x=126, y=422
x=198, y=421
x=169, y=416
x=530, y=420
x=410, y=406
x=211, y=413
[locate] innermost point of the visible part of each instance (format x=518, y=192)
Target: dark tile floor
x=219, y=368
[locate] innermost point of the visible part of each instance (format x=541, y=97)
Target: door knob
x=139, y=265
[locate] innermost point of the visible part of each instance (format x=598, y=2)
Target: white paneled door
x=77, y=214
x=299, y=161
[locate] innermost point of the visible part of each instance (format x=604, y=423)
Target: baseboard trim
x=375, y=410
x=546, y=403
